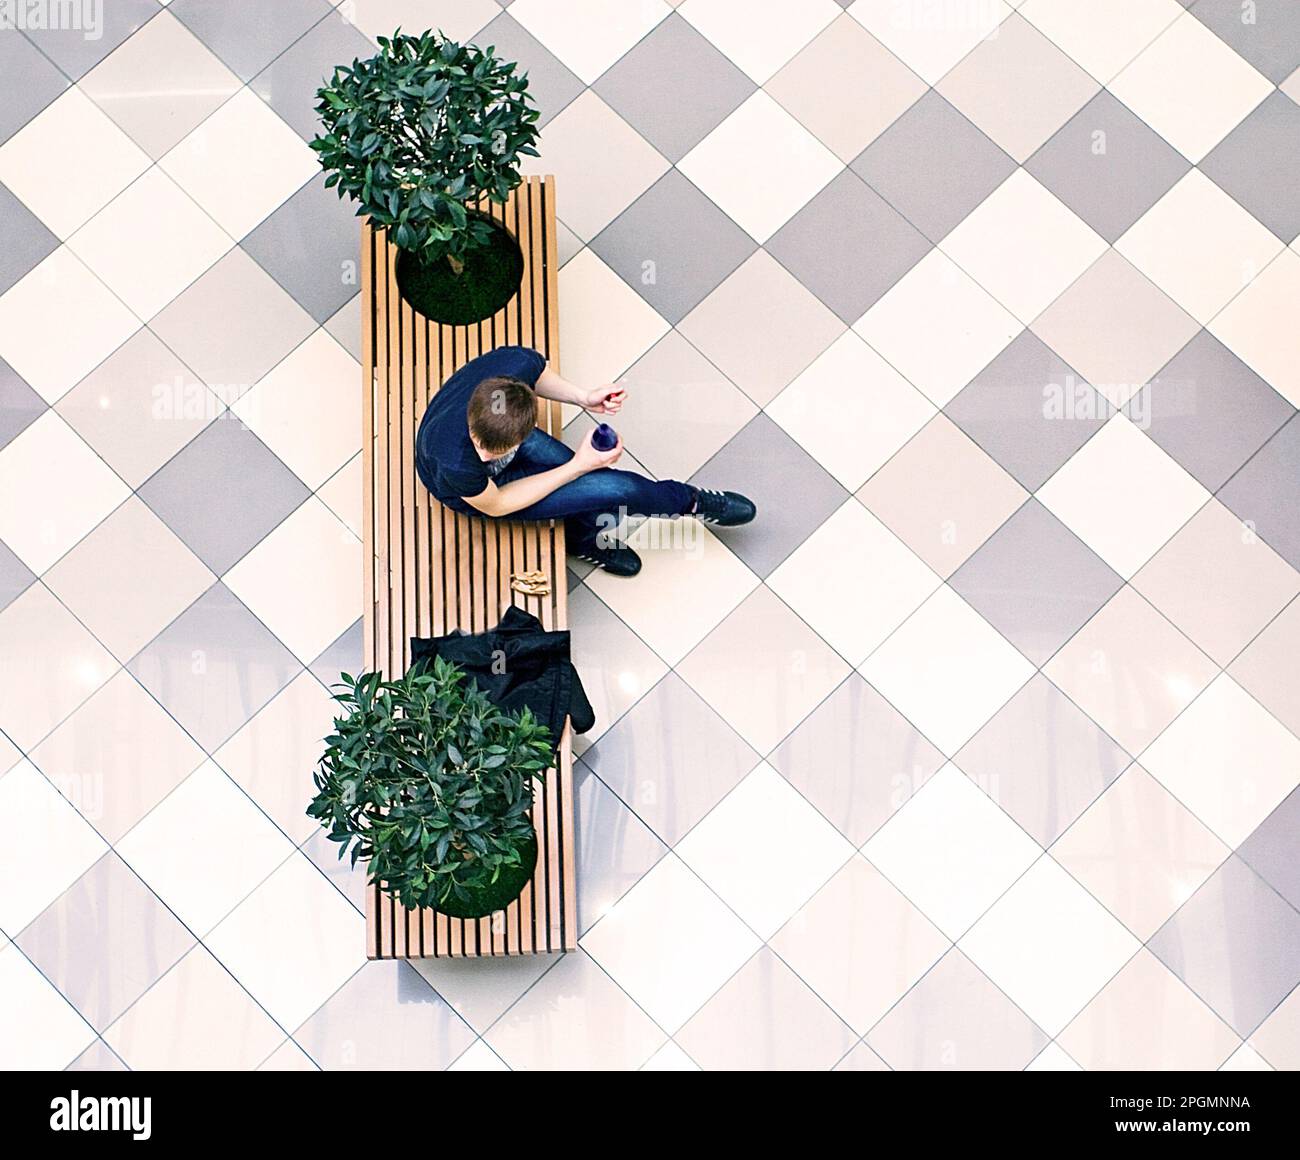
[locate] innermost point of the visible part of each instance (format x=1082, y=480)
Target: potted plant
x=430, y=782
x=419, y=135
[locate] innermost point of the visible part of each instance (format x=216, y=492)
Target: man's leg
x=594, y=502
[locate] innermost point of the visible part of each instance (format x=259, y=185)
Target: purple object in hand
x=604, y=438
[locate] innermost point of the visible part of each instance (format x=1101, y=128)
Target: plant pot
x=490, y=278
x=508, y=886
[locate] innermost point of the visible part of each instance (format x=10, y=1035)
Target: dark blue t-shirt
x=445, y=457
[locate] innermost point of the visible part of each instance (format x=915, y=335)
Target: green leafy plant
x=432, y=783
x=419, y=131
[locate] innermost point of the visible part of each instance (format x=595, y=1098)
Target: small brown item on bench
x=534, y=583
x=434, y=570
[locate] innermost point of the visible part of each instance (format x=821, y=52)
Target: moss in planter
x=488, y=281
x=508, y=886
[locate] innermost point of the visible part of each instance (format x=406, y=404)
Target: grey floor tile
x=848, y=246
x=289, y=83
x=20, y=406
x=550, y=83
x=671, y=778
x=1107, y=165
x=615, y=847
x=793, y=493
x=233, y=325
x=1266, y=493
x=1257, y=164
x=311, y=246
x=26, y=239
x=1029, y=410
x=248, y=34
x=673, y=246
x=933, y=166
x=1236, y=943
x=1271, y=41
x=105, y=941
x=345, y=326
x=1035, y=581
x=857, y=759
x=223, y=492
x=77, y=47
x=385, y=1018
x=214, y=666
x=1042, y=759
x=1209, y=410
x=646, y=87
x=345, y=655
x=1271, y=850
x=32, y=81
x=15, y=577
x=955, y=1019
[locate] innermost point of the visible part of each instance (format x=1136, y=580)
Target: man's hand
x=606, y=400
x=588, y=458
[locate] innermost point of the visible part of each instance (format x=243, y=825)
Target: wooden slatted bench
x=434, y=570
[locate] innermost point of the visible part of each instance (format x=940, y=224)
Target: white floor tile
x=293, y=943
x=1190, y=87
x=1122, y=495
x=1049, y=945
x=77, y=489
x=681, y=593
x=304, y=580
x=1199, y=246
x=732, y=849
x=241, y=163
x=938, y=328
x=1258, y=325
x=149, y=243
x=51, y=665
x=35, y=338
x=308, y=409
x=736, y=165
x=1226, y=729
x=68, y=161
x=204, y=847
x=49, y=846
x=605, y=325
x=1104, y=35
x=588, y=35
x=853, y=581
x=850, y=388
x=1024, y=246
x=39, y=1029
x=951, y=850
x=670, y=943
x=947, y=670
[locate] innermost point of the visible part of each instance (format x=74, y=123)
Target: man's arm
x=521, y=493
x=605, y=400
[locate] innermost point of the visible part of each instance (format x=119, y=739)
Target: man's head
x=502, y=412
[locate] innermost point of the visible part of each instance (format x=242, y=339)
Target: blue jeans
x=592, y=503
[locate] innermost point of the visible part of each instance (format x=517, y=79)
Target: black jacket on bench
x=518, y=663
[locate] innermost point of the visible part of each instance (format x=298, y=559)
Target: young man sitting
x=479, y=450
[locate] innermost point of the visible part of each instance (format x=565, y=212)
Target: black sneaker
x=727, y=509
x=617, y=559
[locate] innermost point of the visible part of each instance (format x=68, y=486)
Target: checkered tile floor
x=979, y=750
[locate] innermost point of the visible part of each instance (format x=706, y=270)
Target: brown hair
x=502, y=412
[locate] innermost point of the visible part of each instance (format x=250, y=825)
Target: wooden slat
x=435, y=570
